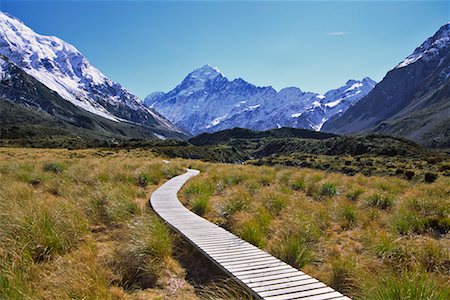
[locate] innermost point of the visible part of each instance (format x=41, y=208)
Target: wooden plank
x=327, y=296
x=263, y=272
x=223, y=260
x=241, y=263
x=255, y=266
x=284, y=286
x=265, y=276
x=288, y=290
x=320, y=292
x=269, y=277
x=269, y=283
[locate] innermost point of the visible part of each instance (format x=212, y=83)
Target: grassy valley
x=335, y=227
x=75, y=224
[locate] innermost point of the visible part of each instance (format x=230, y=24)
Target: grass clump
x=275, y=202
x=239, y=200
x=328, y=190
x=140, y=264
x=200, y=204
x=343, y=274
x=254, y=230
x=347, y=216
x=54, y=167
x=380, y=201
x=198, y=193
x=295, y=251
x=353, y=195
x=412, y=285
x=296, y=246
x=298, y=184
x=143, y=180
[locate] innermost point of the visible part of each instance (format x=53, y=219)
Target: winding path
x=265, y=276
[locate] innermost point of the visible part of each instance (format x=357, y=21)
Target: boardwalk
x=257, y=271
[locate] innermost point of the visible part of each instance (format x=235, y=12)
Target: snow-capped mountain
x=31, y=111
x=62, y=68
x=412, y=100
x=430, y=49
x=206, y=101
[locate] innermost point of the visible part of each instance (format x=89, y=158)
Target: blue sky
x=152, y=45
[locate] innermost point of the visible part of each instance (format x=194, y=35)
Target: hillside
x=412, y=101
x=31, y=112
x=48, y=74
x=225, y=136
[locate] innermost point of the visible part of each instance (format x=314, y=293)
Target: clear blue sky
x=149, y=45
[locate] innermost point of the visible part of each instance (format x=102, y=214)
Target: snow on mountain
x=430, y=48
x=205, y=98
x=412, y=100
x=206, y=101
x=62, y=68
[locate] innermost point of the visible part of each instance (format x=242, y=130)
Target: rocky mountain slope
x=63, y=69
x=206, y=101
x=30, y=110
x=412, y=101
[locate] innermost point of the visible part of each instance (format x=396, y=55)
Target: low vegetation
x=75, y=225
x=337, y=228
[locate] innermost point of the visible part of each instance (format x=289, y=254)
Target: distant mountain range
x=39, y=71
x=412, y=101
x=48, y=88
x=207, y=101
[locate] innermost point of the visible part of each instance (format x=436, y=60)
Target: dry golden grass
x=358, y=234
x=75, y=225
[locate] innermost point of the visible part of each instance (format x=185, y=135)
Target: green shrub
x=380, y=201
x=430, y=177
x=328, y=189
x=54, y=167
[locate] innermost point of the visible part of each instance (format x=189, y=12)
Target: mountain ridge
x=62, y=68
x=207, y=101
x=25, y=101
x=412, y=100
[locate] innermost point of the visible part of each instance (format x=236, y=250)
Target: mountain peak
x=62, y=68
x=430, y=48
x=205, y=72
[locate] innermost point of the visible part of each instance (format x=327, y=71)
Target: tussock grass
x=344, y=230
x=408, y=285
x=75, y=225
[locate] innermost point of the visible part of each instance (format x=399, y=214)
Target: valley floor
x=74, y=224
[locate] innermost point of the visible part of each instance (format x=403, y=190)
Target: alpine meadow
x=186, y=181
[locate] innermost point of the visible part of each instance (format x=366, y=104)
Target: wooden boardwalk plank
x=265, y=276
